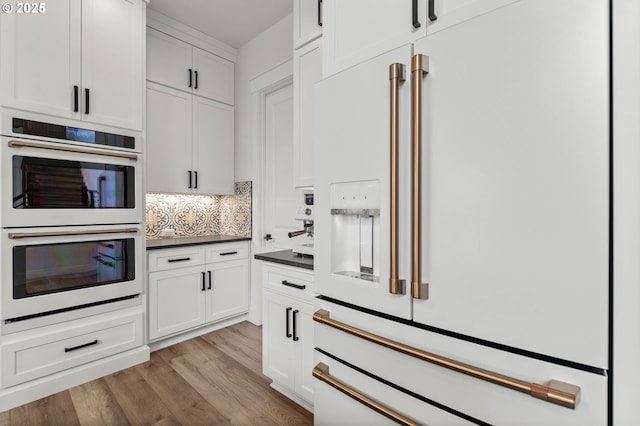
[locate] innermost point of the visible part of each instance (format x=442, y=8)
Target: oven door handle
x=24, y=144
x=20, y=235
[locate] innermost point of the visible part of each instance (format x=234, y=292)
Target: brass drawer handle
x=556, y=392
x=321, y=372
x=23, y=144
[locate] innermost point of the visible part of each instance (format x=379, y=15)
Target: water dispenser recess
x=355, y=229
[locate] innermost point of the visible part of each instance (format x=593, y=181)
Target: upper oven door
x=49, y=269
x=51, y=184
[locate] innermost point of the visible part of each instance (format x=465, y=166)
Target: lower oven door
x=45, y=184
x=49, y=270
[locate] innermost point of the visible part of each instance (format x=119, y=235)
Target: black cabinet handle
x=295, y=324
x=286, y=313
x=298, y=286
x=75, y=98
x=414, y=14
x=209, y=288
x=182, y=259
x=196, y=185
x=75, y=348
x=320, y=13
x=228, y=253
x=190, y=177
x=432, y=10
x=86, y=101
x=196, y=73
x=190, y=77
x=203, y=284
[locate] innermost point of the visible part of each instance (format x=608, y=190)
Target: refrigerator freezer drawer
x=473, y=396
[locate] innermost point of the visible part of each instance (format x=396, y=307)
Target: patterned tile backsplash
x=193, y=215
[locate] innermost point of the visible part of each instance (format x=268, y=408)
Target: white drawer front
x=292, y=281
x=333, y=407
x=163, y=259
x=225, y=252
x=69, y=345
x=480, y=399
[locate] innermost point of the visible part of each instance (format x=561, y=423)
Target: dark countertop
x=286, y=257
x=192, y=241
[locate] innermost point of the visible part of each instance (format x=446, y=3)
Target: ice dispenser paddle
x=355, y=230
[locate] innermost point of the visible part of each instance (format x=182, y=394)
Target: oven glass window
x=52, y=268
x=42, y=183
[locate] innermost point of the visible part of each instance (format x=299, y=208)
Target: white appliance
x=491, y=247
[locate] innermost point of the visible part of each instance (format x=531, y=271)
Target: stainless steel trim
x=396, y=76
x=24, y=144
x=556, y=392
x=354, y=212
x=321, y=372
x=21, y=235
x=419, y=68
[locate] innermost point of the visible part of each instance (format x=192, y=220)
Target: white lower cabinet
x=186, y=292
x=287, y=333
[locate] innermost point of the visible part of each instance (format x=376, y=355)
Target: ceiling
x=233, y=22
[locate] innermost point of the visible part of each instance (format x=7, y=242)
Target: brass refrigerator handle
x=396, y=76
x=21, y=235
x=555, y=392
x=419, y=68
x=321, y=372
x=24, y=144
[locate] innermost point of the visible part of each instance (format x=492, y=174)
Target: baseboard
x=27, y=392
x=177, y=338
x=292, y=396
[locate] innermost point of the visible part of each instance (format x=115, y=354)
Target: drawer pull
x=75, y=348
x=182, y=259
x=298, y=286
x=228, y=253
x=556, y=392
x=321, y=372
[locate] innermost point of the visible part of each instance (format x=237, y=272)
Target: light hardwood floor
x=215, y=379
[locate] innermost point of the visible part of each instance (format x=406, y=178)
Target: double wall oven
x=71, y=216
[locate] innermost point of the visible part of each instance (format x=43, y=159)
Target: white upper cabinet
x=307, y=21
x=180, y=65
x=190, y=143
x=446, y=13
x=81, y=60
x=356, y=30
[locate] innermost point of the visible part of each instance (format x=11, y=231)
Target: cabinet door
x=40, y=59
x=307, y=21
x=357, y=30
x=516, y=179
x=302, y=315
x=278, y=355
x=229, y=293
x=169, y=139
x=176, y=300
x=307, y=63
x=213, y=76
x=112, y=62
x=452, y=12
x=169, y=61
x=213, y=139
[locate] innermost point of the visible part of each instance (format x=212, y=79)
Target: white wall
x=269, y=49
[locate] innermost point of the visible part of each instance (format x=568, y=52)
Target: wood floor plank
x=140, y=404
x=184, y=402
x=95, y=404
x=56, y=409
x=212, y=380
